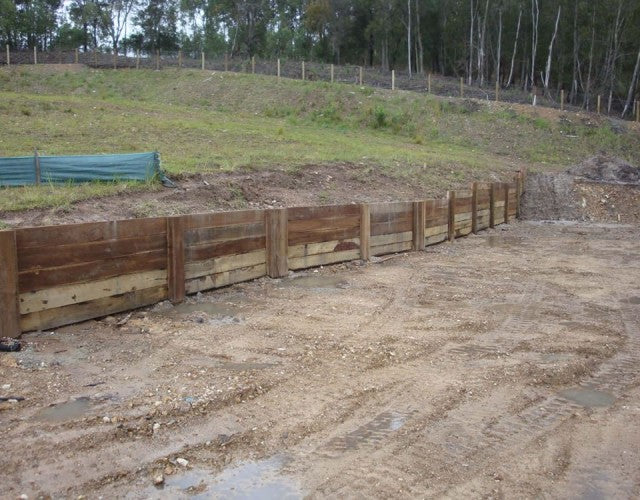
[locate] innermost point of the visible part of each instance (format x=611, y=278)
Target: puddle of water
x=589, y=398
x=317, y=282
x=65, y=411
x=631, y=300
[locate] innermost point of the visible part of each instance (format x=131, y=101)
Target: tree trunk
x=632, y=86
x=576, y=49
x=535, y=15
x=614, y=54
x=482, y=46
x=409, y=37
x=470, y=76
x=420, y=55
x=547, y=75
x=515, y=50
x=587, y=92
x=499, y=46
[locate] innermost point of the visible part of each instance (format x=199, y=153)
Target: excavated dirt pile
x=601, y=189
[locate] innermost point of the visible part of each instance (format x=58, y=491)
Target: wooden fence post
x=35, y=55
x=36, y=166
x=303, y=71
x=365, y=232
x=419, y=219
x=393, y=79
x=506, y=202
x=474, y=208
x=360, y=76
x=202, y=59
x=9, y=304
x=226, y=62
x=277, y=242
x=451, y=196
x=492, y=203
x=562, y=100
x=518, y=193
x=138, y=59
x=253, y=65
x=278, y=70
x=8, y=56
x=331, y=73
x=75, y=56
x=497, y=91
x=429, y=83
x=461, y=87
x=175, y=259
x=599, y=102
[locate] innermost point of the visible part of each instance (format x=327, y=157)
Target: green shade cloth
x=21, y=171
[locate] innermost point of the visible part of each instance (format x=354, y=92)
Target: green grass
x=211, y=122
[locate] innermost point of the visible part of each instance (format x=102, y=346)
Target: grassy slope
x=207, y=122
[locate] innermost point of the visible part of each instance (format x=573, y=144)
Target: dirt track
x=506, y=364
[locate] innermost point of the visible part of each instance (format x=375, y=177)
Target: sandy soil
x=504, y=365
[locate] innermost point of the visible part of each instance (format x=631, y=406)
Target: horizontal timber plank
x=388, y=209
x=40, y=279
x=432, y=231
x=76, y=253
x=223, y=233
x=218, y=219
x=323, y=259
x=324, y=247
x=436, y=238
x=392, y=248
x=322, y=235
x=385, y=239
x=462, y=217
x=218, y=249
x=323, y=224
x=225, y=278
x=323, y=212
x=52, y=318
x=399, y=226
x=51, y=298
x=52, y=236
x=224, y=263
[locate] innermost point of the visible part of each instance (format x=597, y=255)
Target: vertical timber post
x=365, y=232
x=75, y=56
x=36, y=166
x=303, y=71
x=332, y=73
x=35, y=55
x=360, y=76
x=277, y=242
x=175, y=259
x=474, y=208
x=393, y=79
x=518, y=193
x=599, y=103
x=429, y=83
x=562, y=100
x=492, y=205
x=506, y=202
x=451, y=196
x=202, y=60
x=461, y=87
x=138, y=59
x=180, y=59
x=8, y=56
x=226, y=62
x=278, y=70
x=9, y=305
x=419, y=218
x=253, y=65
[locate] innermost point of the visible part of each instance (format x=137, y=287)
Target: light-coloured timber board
x=323, y=259
x=323, y=212
x=323, y=224
x=386, y=239
x=74, y=313
x=51, y=298
x=398, y=226
x=432, y=231
x=436, y=238
x=383, y=209
x=226, y=278
x=206, y=235
x=324, y=247
x=221, y=248
x=224, y=263
x=462, y=217
x=392, y=248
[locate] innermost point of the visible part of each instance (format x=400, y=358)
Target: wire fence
x=314, y=71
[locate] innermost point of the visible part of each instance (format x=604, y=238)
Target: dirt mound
x=601, y=189
x=603, y=168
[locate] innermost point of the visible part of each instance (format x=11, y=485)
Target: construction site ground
x=505, y=364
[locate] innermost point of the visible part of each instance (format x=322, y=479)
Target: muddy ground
x=506, y=364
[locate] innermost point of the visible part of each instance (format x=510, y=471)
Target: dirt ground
x=506, y=364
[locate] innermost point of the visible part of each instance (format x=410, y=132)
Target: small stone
x=6, y=386
x=109, y=320
x=183, y=462
x=156, y=427
x=24, y=497
x=106, y=420
x=168, y=470
x=159, y=479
